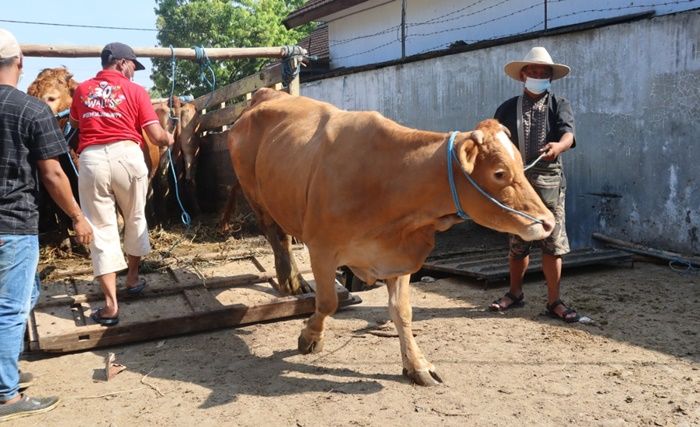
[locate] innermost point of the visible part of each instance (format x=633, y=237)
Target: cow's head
x=489, y=156
x=54, y=86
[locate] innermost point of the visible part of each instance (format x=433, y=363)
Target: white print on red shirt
x=104, y=95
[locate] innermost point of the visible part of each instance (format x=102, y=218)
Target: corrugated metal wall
x=635, y=89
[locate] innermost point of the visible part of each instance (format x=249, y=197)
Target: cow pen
x=197, y=300
x=182, y=297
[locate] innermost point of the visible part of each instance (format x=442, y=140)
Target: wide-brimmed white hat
x=8, y=45
x=536, y=56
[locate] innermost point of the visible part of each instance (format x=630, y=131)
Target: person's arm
x=159, y=136
x=564, y=126
x=58, y=186
x=148, y=120
x=553, y=149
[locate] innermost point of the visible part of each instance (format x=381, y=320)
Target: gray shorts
x=552, y=191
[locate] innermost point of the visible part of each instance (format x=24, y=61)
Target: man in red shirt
x=111, y=113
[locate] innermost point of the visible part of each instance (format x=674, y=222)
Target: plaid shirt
x=534, y=127
x=28, y=132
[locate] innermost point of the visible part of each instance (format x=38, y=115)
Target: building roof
x=316, y=43
x=314, y=9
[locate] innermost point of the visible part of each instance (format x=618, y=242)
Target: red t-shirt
x=110, y=108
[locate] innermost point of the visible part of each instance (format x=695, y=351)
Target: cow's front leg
x=415, y=366
x=311, y=338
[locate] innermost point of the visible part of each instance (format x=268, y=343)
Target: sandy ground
x=637, y=364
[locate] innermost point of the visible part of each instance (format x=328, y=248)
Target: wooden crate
x=174, y=303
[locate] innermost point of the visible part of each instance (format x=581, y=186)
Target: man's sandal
x=516, y=302
x=97, y=317
x=569, y=315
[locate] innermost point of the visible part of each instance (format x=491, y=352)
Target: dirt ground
x=637, y=364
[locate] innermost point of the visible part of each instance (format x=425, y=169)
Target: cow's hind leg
x=289, y=279
x=415, y=366
x=311, y=337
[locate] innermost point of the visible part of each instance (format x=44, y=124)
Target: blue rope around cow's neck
x=455, y=195
x=451, y=178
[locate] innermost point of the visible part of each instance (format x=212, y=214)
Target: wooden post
x=294, y=84
x=154, y=52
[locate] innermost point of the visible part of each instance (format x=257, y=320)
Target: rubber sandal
x=104, y=321
x=517, y=302
x=138, y=289
x=566, y=315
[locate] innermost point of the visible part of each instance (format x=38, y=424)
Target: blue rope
x=172, y=83
x=289, y=73
x=682, y=266
x=455, y=195
x=67, y=135
x=204, y=64
x=184, y=217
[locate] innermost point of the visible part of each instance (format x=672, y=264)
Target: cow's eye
x=51, y=99
x=499, y=175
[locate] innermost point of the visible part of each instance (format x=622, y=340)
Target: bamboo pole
x=154, y=52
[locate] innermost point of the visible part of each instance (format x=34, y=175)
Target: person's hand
x=551, y=151
x=83, y=230
x=171, y=139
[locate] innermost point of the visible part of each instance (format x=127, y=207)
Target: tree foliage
x=219, y=23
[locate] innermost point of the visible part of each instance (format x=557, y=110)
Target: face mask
x=537, y=86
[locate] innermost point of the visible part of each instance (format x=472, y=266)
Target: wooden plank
x=217, y=283
x=201, y=300
x=248, y=84
x=222, y=117
x=644, y=250
x=93, y=336
x=70, y=51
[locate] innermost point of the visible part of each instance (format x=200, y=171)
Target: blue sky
x=125, y=13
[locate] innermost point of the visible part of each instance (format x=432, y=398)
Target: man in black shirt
x=30, y=142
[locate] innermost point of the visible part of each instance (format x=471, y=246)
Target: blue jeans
x=19, y=291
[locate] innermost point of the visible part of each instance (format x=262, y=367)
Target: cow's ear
x=468, y=148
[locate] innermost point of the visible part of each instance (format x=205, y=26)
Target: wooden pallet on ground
x=175, y=303
x=492, y=265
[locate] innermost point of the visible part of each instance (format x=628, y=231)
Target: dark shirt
x=560, y=121
x=28, y=132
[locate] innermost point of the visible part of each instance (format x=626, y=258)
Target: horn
x=505, y=129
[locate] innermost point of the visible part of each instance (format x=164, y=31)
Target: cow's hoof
x=425, y=378
x=306, y=347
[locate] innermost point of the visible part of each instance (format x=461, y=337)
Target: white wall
x=635, y=90
x=370, y=32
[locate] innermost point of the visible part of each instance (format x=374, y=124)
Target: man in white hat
x=542, y=126
x=30, y=143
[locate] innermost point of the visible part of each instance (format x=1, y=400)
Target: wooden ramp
x=179, y=301
x=492, y=264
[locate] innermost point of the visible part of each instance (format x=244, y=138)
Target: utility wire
x=56, y=24
x=450, y=17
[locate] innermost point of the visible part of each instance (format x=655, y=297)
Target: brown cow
x=54, y=86
x=362, y=191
